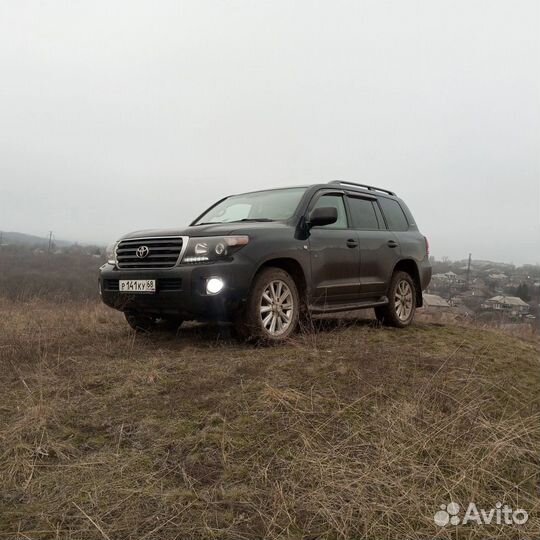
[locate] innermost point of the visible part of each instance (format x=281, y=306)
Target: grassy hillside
x=22, y=239
x=353, y=431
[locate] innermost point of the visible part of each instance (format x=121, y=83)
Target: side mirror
x=325, y=215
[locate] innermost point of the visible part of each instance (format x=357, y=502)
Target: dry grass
x=351, y=432
x=26, y=275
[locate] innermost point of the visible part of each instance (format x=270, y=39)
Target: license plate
x=137, y=285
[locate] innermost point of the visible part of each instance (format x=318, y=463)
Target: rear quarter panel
x=413, y=246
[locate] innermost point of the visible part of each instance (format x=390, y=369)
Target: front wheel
x=401, y=307
x=272, y=309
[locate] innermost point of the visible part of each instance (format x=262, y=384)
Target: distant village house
x=511, y=305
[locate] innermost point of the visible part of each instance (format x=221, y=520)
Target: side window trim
x=407, y=221
x=373, y=201
x=402, y=212
x=383, y=224
x=315, y=199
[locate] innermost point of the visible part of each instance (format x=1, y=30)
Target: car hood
x=215, y=229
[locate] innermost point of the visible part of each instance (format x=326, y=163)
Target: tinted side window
x=363, y=213
x=337, y=202
x=394, y=214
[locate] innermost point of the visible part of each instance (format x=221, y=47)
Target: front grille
x=163, y=284
x=138, y=253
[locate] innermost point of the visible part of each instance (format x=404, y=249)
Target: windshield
x=275, y=205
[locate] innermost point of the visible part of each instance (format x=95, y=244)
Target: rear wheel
x=272, y=309
x=401, y=307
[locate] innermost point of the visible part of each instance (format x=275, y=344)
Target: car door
x=334, y=255
x=379, y=250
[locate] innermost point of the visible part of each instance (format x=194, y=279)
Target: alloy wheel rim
x=403, y=300
x=276, y=308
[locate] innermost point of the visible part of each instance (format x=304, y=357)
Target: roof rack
x=365, y=186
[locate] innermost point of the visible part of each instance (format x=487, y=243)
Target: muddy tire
x=401, y=307
x=272, y=309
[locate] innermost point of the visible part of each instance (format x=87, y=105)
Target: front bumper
x=180, y=291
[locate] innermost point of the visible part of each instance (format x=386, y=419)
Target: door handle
x=351, y=243
x=392, y=243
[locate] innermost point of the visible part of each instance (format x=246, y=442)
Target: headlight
x=110, y=253
x=212, y=248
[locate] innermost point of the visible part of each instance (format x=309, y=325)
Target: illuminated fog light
x=214, y=285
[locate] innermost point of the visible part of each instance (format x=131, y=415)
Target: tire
x=140, y=322
x=264, y=317
x=401, y=307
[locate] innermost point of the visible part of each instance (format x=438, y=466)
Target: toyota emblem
x=142, y=252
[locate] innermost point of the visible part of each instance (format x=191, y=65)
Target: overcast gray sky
x=121, y=115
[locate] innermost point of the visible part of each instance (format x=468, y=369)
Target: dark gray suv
x=264, y=260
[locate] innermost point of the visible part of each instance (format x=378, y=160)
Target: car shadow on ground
x=212, y=333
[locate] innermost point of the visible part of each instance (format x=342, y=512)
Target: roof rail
x=365, y=186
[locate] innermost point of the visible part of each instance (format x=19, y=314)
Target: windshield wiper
x=236, y=221
x=262, y=219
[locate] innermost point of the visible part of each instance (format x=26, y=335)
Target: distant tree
x=522, y=291
x=532, y=270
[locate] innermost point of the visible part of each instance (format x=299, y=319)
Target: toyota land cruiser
x=265, y=259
